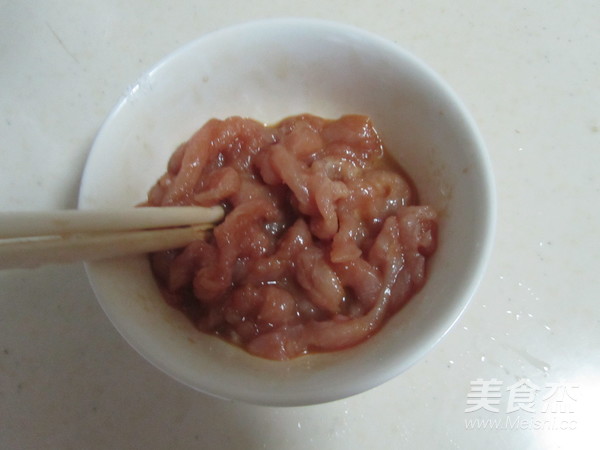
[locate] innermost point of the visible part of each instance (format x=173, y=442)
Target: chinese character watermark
x=521, y=396
x=560, y=398
x=548, y=407
x=484, y=394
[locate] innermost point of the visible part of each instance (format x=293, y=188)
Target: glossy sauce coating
x=321, y=243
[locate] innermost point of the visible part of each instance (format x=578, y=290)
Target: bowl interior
x=270, y=70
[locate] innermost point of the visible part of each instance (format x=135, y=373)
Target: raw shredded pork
x=322, y=239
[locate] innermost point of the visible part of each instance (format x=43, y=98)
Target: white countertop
x=520, y=369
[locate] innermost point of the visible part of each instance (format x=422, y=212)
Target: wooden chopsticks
x=31, y=239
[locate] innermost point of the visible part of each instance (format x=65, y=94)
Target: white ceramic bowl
x=268, y=70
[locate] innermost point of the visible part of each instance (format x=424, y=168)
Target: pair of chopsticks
x=31, y=239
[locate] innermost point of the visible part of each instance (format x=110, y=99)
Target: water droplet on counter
x=535, y=362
